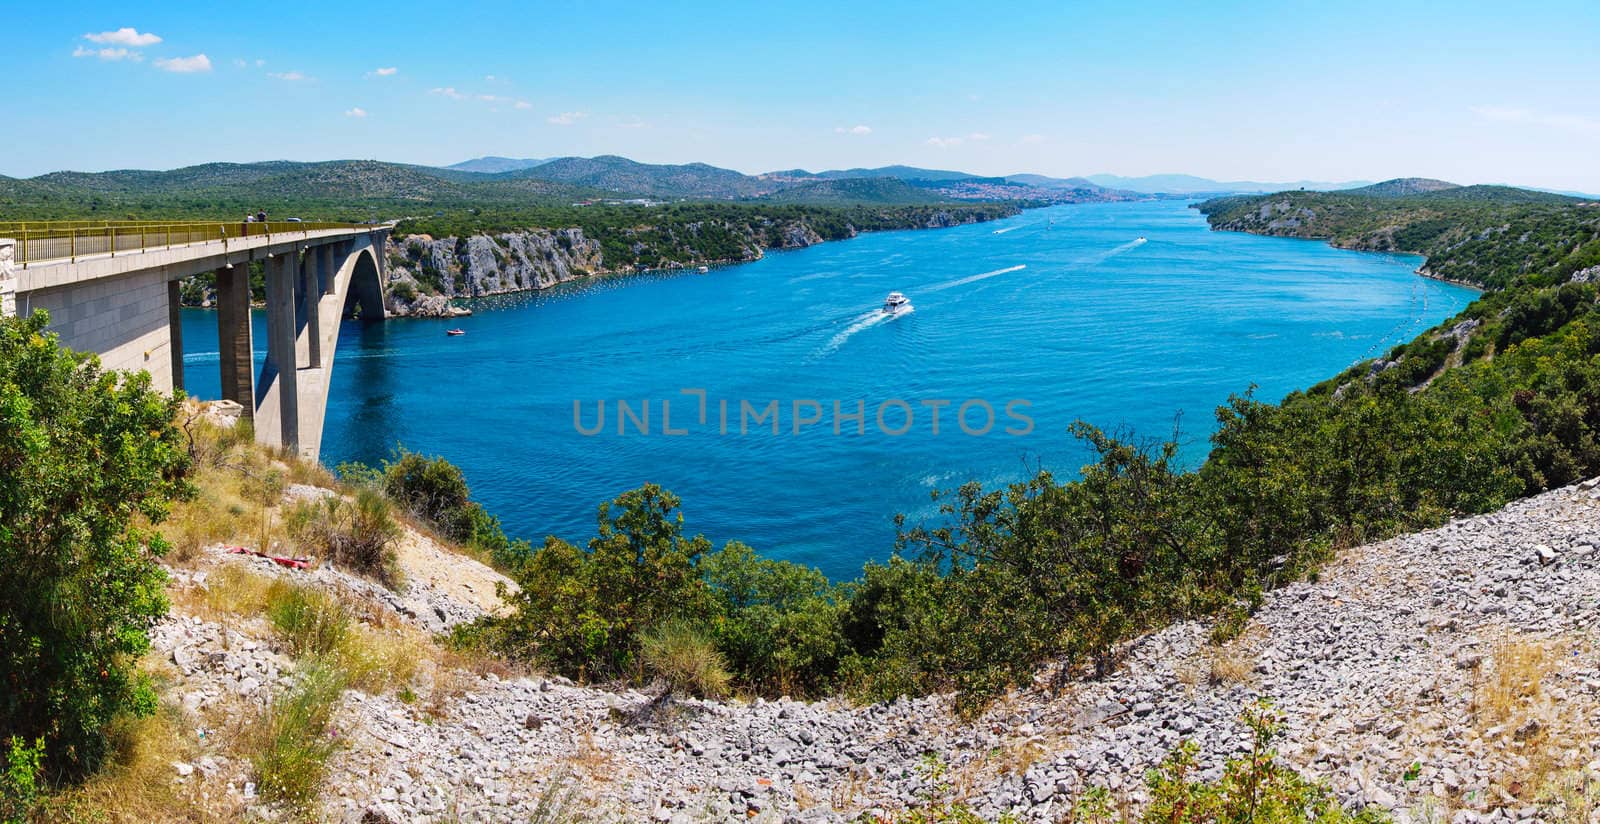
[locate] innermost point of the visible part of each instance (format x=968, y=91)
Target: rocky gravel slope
x=1445, y=676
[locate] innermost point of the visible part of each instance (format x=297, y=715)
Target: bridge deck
x=187, y=253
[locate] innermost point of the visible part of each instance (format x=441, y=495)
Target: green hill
x=623, y=176
x=1403, y=186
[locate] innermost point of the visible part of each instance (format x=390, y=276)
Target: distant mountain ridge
x=901, y=172
x=1179, y=184
x=490, y=164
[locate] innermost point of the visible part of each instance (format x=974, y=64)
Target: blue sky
x=1466, y=91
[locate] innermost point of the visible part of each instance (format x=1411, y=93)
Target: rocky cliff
x=421, y=266
x=425, y=272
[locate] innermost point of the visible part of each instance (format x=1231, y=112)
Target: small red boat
x=455, y=332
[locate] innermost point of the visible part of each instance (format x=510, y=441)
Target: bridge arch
x=364, y=297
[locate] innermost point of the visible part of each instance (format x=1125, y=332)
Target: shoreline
x=676, y=268
x=1421, y=271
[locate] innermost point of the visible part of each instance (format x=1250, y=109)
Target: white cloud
x=260, y=63
x=492, y=98
x=1558, y=120
x=944, y=142
x=238, y=62
x=292, y=77
x=123, y=37
x=388, y=71
x=1032, y=139
x=184, y=65
x=853, y=130
x=567, y=118
x=108, y=54
x=356, y=112
x=523, y=104
x=977, y=136
x=448, y=91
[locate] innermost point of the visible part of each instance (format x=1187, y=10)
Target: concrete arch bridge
x=112, y=288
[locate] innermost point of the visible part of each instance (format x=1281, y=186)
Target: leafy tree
x=88, y=459
x=583, y=611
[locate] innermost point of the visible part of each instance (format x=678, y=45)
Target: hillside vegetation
x=633, y=237
x=855, y=190
x=349, y=190
x=1486, y=236
x=360, y=190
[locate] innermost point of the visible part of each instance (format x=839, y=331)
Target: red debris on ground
x=292, y=563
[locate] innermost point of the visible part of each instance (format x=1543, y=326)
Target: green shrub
x=404, y=290
x=21, y=780
x=1254, y=788
x=432, y=489
x=88, y=460
x=294, y=741
x=358, y=535
x=779, y=624
x=685, y=658
x=435, y=491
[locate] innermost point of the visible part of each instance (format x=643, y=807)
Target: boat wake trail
x=1008, y=229
x=1101, y=257
x=950, y=284
x=864, y=321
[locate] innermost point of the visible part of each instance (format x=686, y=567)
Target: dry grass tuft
x=1522, y=709
x=590, y=760
x=377, y=661
x=1230, y=664
x=1513, y=683
x=139, y=784
x=687, y=659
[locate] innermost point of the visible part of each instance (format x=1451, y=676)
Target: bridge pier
x=310, y=303
x=281, y=367
x=175, y=333
x=235, y=343
x=326, y=270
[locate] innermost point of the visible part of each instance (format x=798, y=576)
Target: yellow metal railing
x=41, y=241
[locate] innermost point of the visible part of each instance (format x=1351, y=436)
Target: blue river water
x=1048, y=317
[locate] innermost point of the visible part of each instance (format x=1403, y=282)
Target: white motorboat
x=896, y=304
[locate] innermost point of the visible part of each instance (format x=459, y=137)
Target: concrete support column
x=327, y=269
x=175, y=333
x=281, y=276
x=311, y=297
x=8, y=278
x=234, y=343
